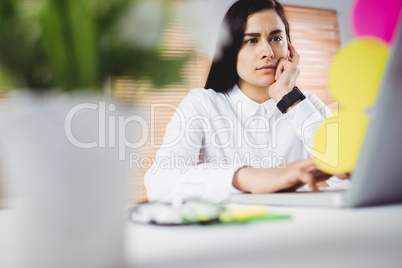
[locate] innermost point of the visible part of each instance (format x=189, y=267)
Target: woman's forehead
x=264, y=21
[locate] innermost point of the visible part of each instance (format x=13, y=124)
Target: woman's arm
x=305, y=116
x=270, y=180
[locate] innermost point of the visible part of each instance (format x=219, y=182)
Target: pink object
x=376, y=18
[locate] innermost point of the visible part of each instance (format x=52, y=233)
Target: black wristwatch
x=289, y=99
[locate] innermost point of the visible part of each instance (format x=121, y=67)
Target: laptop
x=377, y=177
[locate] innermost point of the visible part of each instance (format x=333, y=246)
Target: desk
x=368, y=237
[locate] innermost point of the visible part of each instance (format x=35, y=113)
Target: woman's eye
x=251, y=41
x=276, y=39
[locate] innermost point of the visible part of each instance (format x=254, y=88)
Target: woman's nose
x=267, y=51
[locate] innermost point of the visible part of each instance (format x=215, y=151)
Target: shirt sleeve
x=306, y=117
x=177, y=172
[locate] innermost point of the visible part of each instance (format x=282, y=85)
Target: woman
x=250, y=129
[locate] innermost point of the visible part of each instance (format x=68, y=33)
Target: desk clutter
x=199, y=212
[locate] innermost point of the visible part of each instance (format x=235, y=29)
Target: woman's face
x=264, y=43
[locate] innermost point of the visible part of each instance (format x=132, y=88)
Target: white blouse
x=211, y=135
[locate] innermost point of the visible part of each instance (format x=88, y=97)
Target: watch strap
x=289, y=99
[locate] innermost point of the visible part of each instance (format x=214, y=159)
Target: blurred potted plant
x=68, y=196
x=77, y=44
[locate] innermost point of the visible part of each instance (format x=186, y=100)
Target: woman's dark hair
x=222, y=74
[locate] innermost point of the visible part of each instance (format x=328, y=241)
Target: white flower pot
x=67, y=202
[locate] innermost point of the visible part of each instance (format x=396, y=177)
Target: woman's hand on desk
x=343, y=176
x=270, y=180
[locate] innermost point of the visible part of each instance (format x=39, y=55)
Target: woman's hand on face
x=286, y=74
x=270, y=180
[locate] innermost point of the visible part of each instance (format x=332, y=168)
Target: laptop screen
x=377, y=178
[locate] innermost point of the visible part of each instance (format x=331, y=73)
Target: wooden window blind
x=315, y=34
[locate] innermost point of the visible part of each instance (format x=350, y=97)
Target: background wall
x=343, y=7
x=205, y=16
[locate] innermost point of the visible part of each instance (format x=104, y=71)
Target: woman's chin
x=267, y=83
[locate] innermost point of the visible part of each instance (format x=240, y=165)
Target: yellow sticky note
x=338, y=141
x=356, y=72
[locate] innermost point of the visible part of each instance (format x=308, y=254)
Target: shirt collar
x=248, y=106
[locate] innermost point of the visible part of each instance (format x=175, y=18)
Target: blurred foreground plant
x=77, y=44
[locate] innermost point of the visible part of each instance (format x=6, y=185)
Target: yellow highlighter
x=243, y=214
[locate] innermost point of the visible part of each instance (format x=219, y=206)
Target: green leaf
x=82, y=31
x=55, y=43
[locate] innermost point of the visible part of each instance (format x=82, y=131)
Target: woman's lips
x=267, y=68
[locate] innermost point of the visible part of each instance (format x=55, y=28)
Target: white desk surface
x=313, y=237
